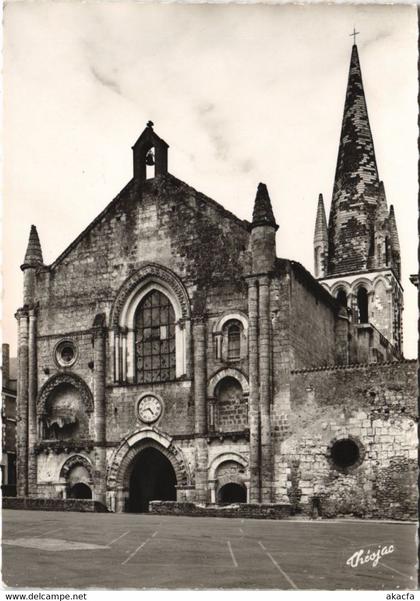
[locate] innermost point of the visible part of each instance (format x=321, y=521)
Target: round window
x=65, y=353
x=345, y=453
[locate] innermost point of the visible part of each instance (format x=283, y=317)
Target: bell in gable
x=150, y=159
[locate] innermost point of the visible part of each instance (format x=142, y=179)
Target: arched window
x=342, y=297
x=155, y=338
x=362, y=305
x=231, y=410
x=65, y=416
x=234, y=341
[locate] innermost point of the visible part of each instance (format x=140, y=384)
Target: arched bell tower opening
x=152, y=478
x=363, y=305
x=342, y=297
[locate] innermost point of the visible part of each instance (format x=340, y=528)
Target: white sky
x=241, y=93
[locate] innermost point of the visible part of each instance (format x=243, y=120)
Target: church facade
x=169, y=354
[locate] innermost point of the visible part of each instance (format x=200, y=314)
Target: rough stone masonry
x=169, y=355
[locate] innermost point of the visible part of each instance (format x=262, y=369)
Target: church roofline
x=217, y=206
x=308, y=280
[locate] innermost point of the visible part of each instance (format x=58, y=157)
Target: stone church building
x=169, y=354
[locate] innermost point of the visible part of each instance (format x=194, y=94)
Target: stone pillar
x=265, y=387
x=120, y=499
x=117, y=375
x=100, y=414
x=5, y=369
x=22, y=405
x=124, y=355
x=212, y=414
x=32, y=413
x=212, y=489
x=253, y=407
x=200, y=383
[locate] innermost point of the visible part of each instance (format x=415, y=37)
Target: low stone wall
x=82, y=505
x=240, y=510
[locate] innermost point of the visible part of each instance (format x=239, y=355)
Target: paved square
x=79, y=550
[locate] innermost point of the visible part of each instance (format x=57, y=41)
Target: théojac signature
x=362, y=556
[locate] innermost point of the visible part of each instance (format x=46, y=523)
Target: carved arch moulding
x=152, y=272
x=149, y=278
x=74, y=461
x=122, y=461
x=223, y=458
x=64, y=378
x=224, y=373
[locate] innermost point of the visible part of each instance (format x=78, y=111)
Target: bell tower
x=149, y=151
x=357, y=256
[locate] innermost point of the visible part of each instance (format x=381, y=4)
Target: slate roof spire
x=263, y=233
x=395, y=241
x=263, y=211
x=33, y=255
x=356, y=185
x=320, y=239
x=321, y=229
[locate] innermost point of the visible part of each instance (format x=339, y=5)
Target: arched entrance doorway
x=80, y=491
x=152, y=478
x=232, y=493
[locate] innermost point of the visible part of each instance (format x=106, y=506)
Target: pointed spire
x=395, y=241
x=382, y=204
x=356, y=185
x=356, y=152
x=321, y=229
x=263, y=211
x=33, y=256
x=320, y=240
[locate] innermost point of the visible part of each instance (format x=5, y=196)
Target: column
x=22, y=405
x=218, y=338
x=32, y=413
x=99, y=414
x=265, y=388
x=117, y=375
x=212, y=416
x=124, y=355
x=200, y=381
x=253, y=403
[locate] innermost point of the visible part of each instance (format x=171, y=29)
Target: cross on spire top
x=354, y=34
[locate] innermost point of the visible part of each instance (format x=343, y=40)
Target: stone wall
x=53, y=504
x=241, y=510
x=121, y=409
x=375, y=407
x=313, y=320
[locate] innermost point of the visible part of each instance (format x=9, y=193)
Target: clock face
x=149, y=409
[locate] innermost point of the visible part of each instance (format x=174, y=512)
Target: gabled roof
x=167, y=184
